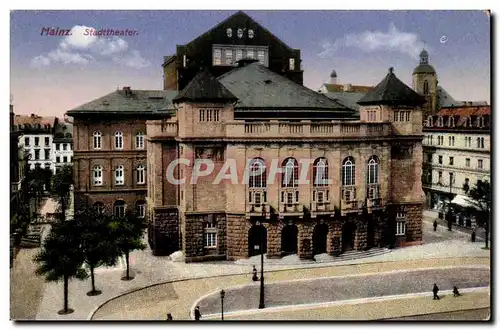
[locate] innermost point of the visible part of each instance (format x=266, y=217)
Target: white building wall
x=43, y=159
x=62, y=154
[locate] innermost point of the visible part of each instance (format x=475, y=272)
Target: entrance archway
x=289, y=239
x=257, y=239
x=348, y=234
x=319, y=238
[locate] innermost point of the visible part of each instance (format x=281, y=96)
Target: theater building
x=369, y=190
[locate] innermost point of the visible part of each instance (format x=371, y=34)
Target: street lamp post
x=261, y=300
x=222, y=294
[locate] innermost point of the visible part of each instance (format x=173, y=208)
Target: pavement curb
x=91, y=315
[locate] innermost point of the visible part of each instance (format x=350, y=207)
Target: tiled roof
x=33, y=120
x=138, y=102
x=348, y=99
x=256, y=86
x=336, y=88
x=392, y=91
x=465, y=111
x=204, y=88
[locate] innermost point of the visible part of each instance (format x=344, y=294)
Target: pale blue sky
x=50, y=75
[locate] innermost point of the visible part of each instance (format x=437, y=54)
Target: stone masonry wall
x=164, y=231
x=237, y=236
x=305, y=248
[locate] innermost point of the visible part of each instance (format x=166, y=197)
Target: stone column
x=164, y=236
x=237, y=236
x=360, y=239
x=414, y=222
x=305, y=240
x=334, y=239
x=194, y=237
x=274, y=240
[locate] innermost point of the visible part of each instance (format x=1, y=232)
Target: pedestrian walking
x=473, y=236
x=435, y=224
x=197, y=314
x=169, y=317
x=435, y=291
x=254, y=276
x=455, y=292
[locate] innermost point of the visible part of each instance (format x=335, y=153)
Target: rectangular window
x=257, y=198
x=401, y=116
x=65, y=146
x=209, y=115
x=141, y=210
x=400, y=224
x=440, y=159
x=47, y=142
x=451, y=160
x=37, y=154
x=289, y=198
x=452, y=141
x=449, y=140
x=228, y=53
x=239, y=55
x=407, y=115
x=47, y=153
x=120, y=211
x=26, y=141
x=261, y=55
x=467, y=162
x=65, y=159
x=431, y=139
x=480, y=163
x=139, y=141
x=210, y=235
x=297, y=196
x=482, y=142
x=320, y=197
x=57, y=146
x=217, y=60
x=37, y=141
x=216, y=115
x=202, y=115
x=440, y=177
x=292, y=64
x=58, y=159
x=250, y=53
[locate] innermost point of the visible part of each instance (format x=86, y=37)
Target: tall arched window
x=140, y=174
x=119, y=140
x=99, y=207
x=119, y=175
x=139, y=140
x=119, y=209
x=373, y=170
x=97, y=140
x=97, y=175
x=257, y=174
x=290, y=173
x=320, y=172
x=348, y=172
x=426, y=87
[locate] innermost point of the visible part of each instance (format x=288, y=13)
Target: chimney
x=127, y=90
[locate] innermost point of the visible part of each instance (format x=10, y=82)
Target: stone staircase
x=351, y=255
x=33, y=237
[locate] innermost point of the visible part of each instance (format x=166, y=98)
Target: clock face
x=250, y=34
x=229, y=33
x=240, y=33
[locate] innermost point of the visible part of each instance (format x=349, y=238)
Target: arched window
x=119, y=209
x=451, y=121
x=320, y=172
x=139, y=140
x=140, y=174
x=99, y=207
x=140, y=208
x=348, y=172
x=426, y=87
x=257, y=174
x=373, y=170
x=97, y=140
x=290, y=173
x=97, y=175
x=119, y=140
x=119, y=175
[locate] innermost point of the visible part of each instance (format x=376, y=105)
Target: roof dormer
x=451, y=121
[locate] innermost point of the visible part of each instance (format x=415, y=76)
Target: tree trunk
x=487, y=232
x=92, y=278
x=126, y=261
x=66, y=293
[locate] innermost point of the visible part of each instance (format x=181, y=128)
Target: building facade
x=62, y=145
x=372, y=168
x=456, y=153
x=220, y=48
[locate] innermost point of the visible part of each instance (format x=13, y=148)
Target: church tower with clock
x=220, y=49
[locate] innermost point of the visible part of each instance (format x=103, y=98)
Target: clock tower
x=425, y=82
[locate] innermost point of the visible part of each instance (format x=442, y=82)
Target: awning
x=462, y=201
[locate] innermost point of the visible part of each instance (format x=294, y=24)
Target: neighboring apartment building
x=17, y=166
x=220, y=48
x=456, y=153
x=62, y=148
x=36, y=136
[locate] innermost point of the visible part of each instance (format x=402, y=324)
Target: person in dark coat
x=435, y=291
x=455, y=292
x=435, y=224
x=197, y=314
x=169, y=317
x=254, y=276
